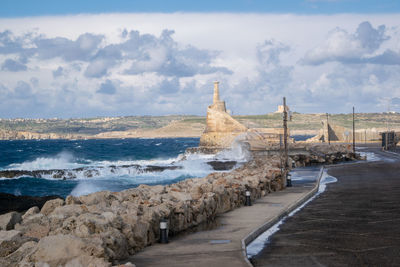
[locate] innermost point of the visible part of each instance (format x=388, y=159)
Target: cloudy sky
x=161, y=57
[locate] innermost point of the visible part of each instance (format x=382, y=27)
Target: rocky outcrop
x=10, y=241
x=9, y=220
x=105, y=227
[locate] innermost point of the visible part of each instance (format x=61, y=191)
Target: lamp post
x=285, y=140
x=354, y=135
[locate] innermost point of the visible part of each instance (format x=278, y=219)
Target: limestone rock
x=70, y=210
x=34, y=226
x=72, y=200
x=31, y=211
x=50, y=205
x=68, y=249
x=10, y=241
x=17, y=257
x=8, y=220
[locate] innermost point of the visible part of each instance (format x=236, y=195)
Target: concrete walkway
x=354, y=223
x=224, y=245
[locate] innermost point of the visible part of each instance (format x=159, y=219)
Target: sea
x=80, y=167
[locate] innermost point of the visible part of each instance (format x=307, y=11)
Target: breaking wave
x=66, y=173
x=63, y=160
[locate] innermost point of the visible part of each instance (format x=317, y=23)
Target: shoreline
x=132, y=216
x=166, y=136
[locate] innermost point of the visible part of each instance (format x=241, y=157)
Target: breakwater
x=106, y=227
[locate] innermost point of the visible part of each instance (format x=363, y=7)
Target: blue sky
x=20, y=8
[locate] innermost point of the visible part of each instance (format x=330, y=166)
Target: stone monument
x=221, y=129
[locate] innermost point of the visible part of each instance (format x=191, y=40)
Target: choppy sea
x=107, y=164
x=88, y=166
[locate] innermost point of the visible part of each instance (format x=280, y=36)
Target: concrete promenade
x=223, y=245
x=354, y=223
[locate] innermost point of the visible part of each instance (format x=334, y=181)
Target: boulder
x=37, y=231
x=69, y=250
x=10, y=241
x=34, y=218
x=31, y=211
x=8, y=220
x=70, y=210
x=98, y=197
x=51, y=205
x=72, y=200
x=17, y=257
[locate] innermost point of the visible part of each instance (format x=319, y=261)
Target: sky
x=120, y=58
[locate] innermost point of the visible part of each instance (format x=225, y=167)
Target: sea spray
x=90, y=168
x=192, y=165
x=238, y=152
x=85, y=188
x=63, y=160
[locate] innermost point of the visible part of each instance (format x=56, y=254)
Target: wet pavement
x=355, y=222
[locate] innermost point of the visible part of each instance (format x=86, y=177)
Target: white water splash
x=237, y=152
x=85, y=188
x=94, y=176
x=63, y=160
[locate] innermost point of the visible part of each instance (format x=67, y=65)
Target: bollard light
x=163, y=231
x=248, y=199
x=289, y=180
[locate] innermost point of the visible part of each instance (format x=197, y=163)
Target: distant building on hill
x=281, y=109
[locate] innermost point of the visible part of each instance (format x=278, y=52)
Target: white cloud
x=132, y=64
x=359, y=47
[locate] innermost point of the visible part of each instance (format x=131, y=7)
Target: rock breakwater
x=106, y=227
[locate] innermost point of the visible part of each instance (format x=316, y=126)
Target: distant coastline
x=175, y=126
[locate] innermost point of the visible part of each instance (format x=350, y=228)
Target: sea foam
x=63, y=160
